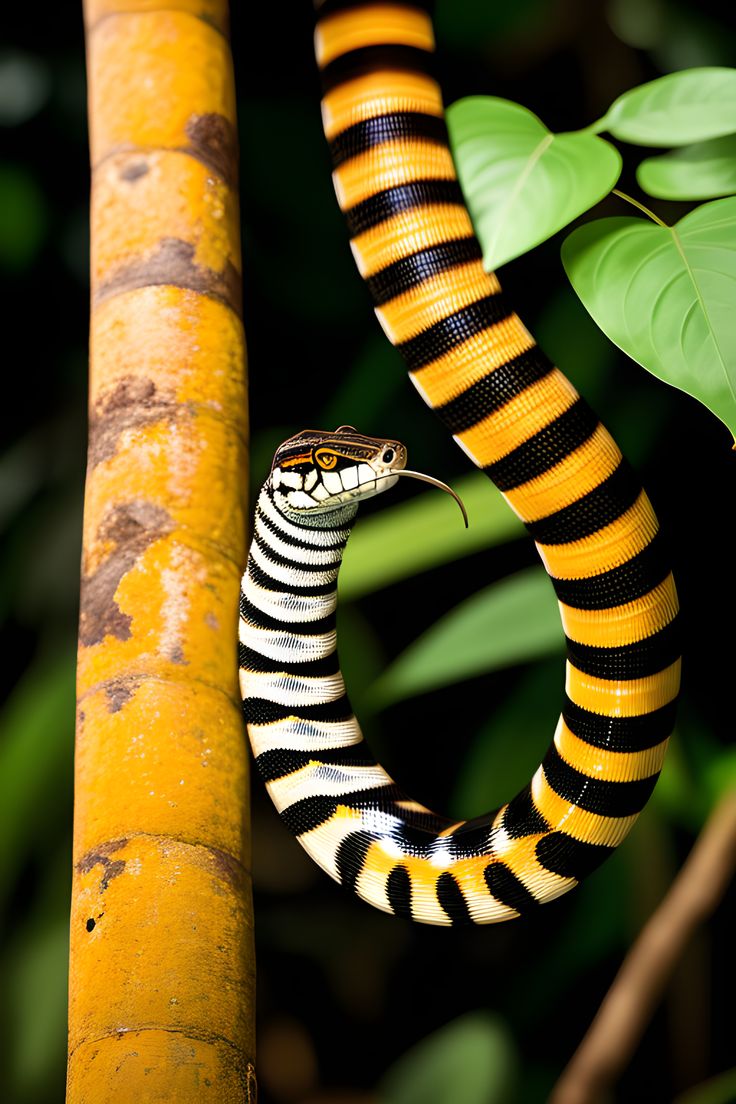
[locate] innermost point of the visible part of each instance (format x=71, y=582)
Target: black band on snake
x=519, y=419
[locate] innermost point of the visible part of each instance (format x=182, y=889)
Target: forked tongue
x=435, y=483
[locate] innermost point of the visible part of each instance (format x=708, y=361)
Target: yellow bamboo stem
x=161, y=978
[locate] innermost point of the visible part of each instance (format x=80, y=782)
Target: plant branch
x=633, y=996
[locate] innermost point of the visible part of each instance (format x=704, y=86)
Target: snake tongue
x=435, y=483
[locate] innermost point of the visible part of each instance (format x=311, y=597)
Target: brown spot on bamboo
x=173, y=264
x=228, y=869
x=111, y=868
x=135, y=523
x=134, y=171
x=119, y=692
x=176, y=654
x=129, y=391
x=131, y=527
x=133, y=403
x=214, y=142
x=100, y=855
x=99, y=614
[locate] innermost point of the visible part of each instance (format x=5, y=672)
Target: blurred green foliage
x=36, y=741
x=23, y=218
x=509, y=739
x=469, y=1061
x=401, y=541
x=717, y=1090
x=515, y=620
x=465, y=24
x=694, y=172
x=362, y=988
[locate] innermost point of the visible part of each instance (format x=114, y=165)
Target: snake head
x=317, y=471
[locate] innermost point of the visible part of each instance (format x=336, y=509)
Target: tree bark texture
x=162, y=965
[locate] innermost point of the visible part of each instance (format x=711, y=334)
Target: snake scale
x=518, y=418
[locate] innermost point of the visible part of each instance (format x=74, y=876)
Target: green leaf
x=23, y=218
x=701, y=171
x=691, y=37
x=368, y=389
x=318, y=294
x=678, y=795
x=569, y=336
x=471, y=1060
x=510, y=622
x=510, y=744
x=665, y=295
x=595, y=926
x=35, y=977
x=522, y=183
x=464, y=24
x=716, y=1090
x=21, y=476
x=362, y=661
x=720, y=778
x=638, y=23
x=675, y=110
x=423, y=533
x=36, y=749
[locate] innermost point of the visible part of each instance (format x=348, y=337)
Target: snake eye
x=326, y=459
x=388, y=456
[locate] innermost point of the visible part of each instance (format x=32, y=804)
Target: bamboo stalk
x=162, y=964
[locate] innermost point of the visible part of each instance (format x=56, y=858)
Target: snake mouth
x=318, y=472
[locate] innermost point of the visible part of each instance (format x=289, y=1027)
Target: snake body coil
x=519, y=419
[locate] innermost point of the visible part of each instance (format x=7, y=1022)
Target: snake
x=518, y=418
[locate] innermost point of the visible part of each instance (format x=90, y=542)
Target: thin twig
x=627, y=1007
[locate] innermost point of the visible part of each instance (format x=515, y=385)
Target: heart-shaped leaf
x=683, y=107
x=665, y=295
x=521, y=182
x=702, y=171
x=471, y=1060
x=509, y=622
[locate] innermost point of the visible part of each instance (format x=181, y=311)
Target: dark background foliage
x=343, y=990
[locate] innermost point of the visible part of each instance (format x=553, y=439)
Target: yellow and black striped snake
x=519, y=419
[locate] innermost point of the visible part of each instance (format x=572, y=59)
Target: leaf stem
x=636, y=203
x=594, y=128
